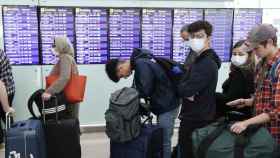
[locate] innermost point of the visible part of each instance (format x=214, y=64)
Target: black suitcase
x=62, y=138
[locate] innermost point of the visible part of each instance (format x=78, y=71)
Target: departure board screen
x=124, y=26
x=21, y=34
x=221, y=19
x=182, y=17
x=91, y=35
x=244, y=21
x=157, y=31
x=55, y=22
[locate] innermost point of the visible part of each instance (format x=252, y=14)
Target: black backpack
x=174, y=70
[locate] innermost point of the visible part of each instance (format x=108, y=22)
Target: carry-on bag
x=62, y=137
x=25, y=139
x=217, y=141
x=149, y=144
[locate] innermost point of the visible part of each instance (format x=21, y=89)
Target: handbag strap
x=242, y=140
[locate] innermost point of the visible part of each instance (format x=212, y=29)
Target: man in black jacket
x=151, y=82
x=198, y=88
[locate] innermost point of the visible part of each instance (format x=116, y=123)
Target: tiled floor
x=95, y=145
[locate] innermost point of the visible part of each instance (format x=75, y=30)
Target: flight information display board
x=157, y=31
x=221, y=19
x=182, y=17
x=91, y=35
x=244, y=21
x=124, y=26
x=21, y=34
x=55, y=22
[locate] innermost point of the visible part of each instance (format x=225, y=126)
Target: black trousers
x=3, y=117
x=185, y=137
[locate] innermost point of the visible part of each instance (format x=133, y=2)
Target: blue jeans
x=166, y=121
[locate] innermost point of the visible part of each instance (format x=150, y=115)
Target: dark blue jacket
x=201, y=83
x=152, y=82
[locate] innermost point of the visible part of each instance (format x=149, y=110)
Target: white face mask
x=238, y=60
x=197, y=44
x=54, y=52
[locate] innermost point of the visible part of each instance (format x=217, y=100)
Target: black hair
x=200, y=25
x=238, y=44
x=111, y=69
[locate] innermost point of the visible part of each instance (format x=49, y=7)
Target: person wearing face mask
x=198, y=89
x=263, y=40
x=240, y=83
x=190, y=55
x=63, y=49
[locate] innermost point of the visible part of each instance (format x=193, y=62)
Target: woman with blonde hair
x=65, y=66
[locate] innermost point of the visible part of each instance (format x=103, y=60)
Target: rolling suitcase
x=62, y=137
x=148, y=145
x=24, y=139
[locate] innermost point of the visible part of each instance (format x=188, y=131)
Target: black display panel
x=21, y=34
x=91, y=35
x=55, y=22
x=244, y=21
x=222, y=20
x=180, y=18
x=157, y=31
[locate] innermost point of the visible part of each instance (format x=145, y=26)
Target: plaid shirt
x=6, y=75
x=267, y=97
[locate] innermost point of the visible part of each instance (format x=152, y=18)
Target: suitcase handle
x=56, y=110
x=8, y=120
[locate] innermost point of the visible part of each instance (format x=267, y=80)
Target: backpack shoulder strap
x=273, y=71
